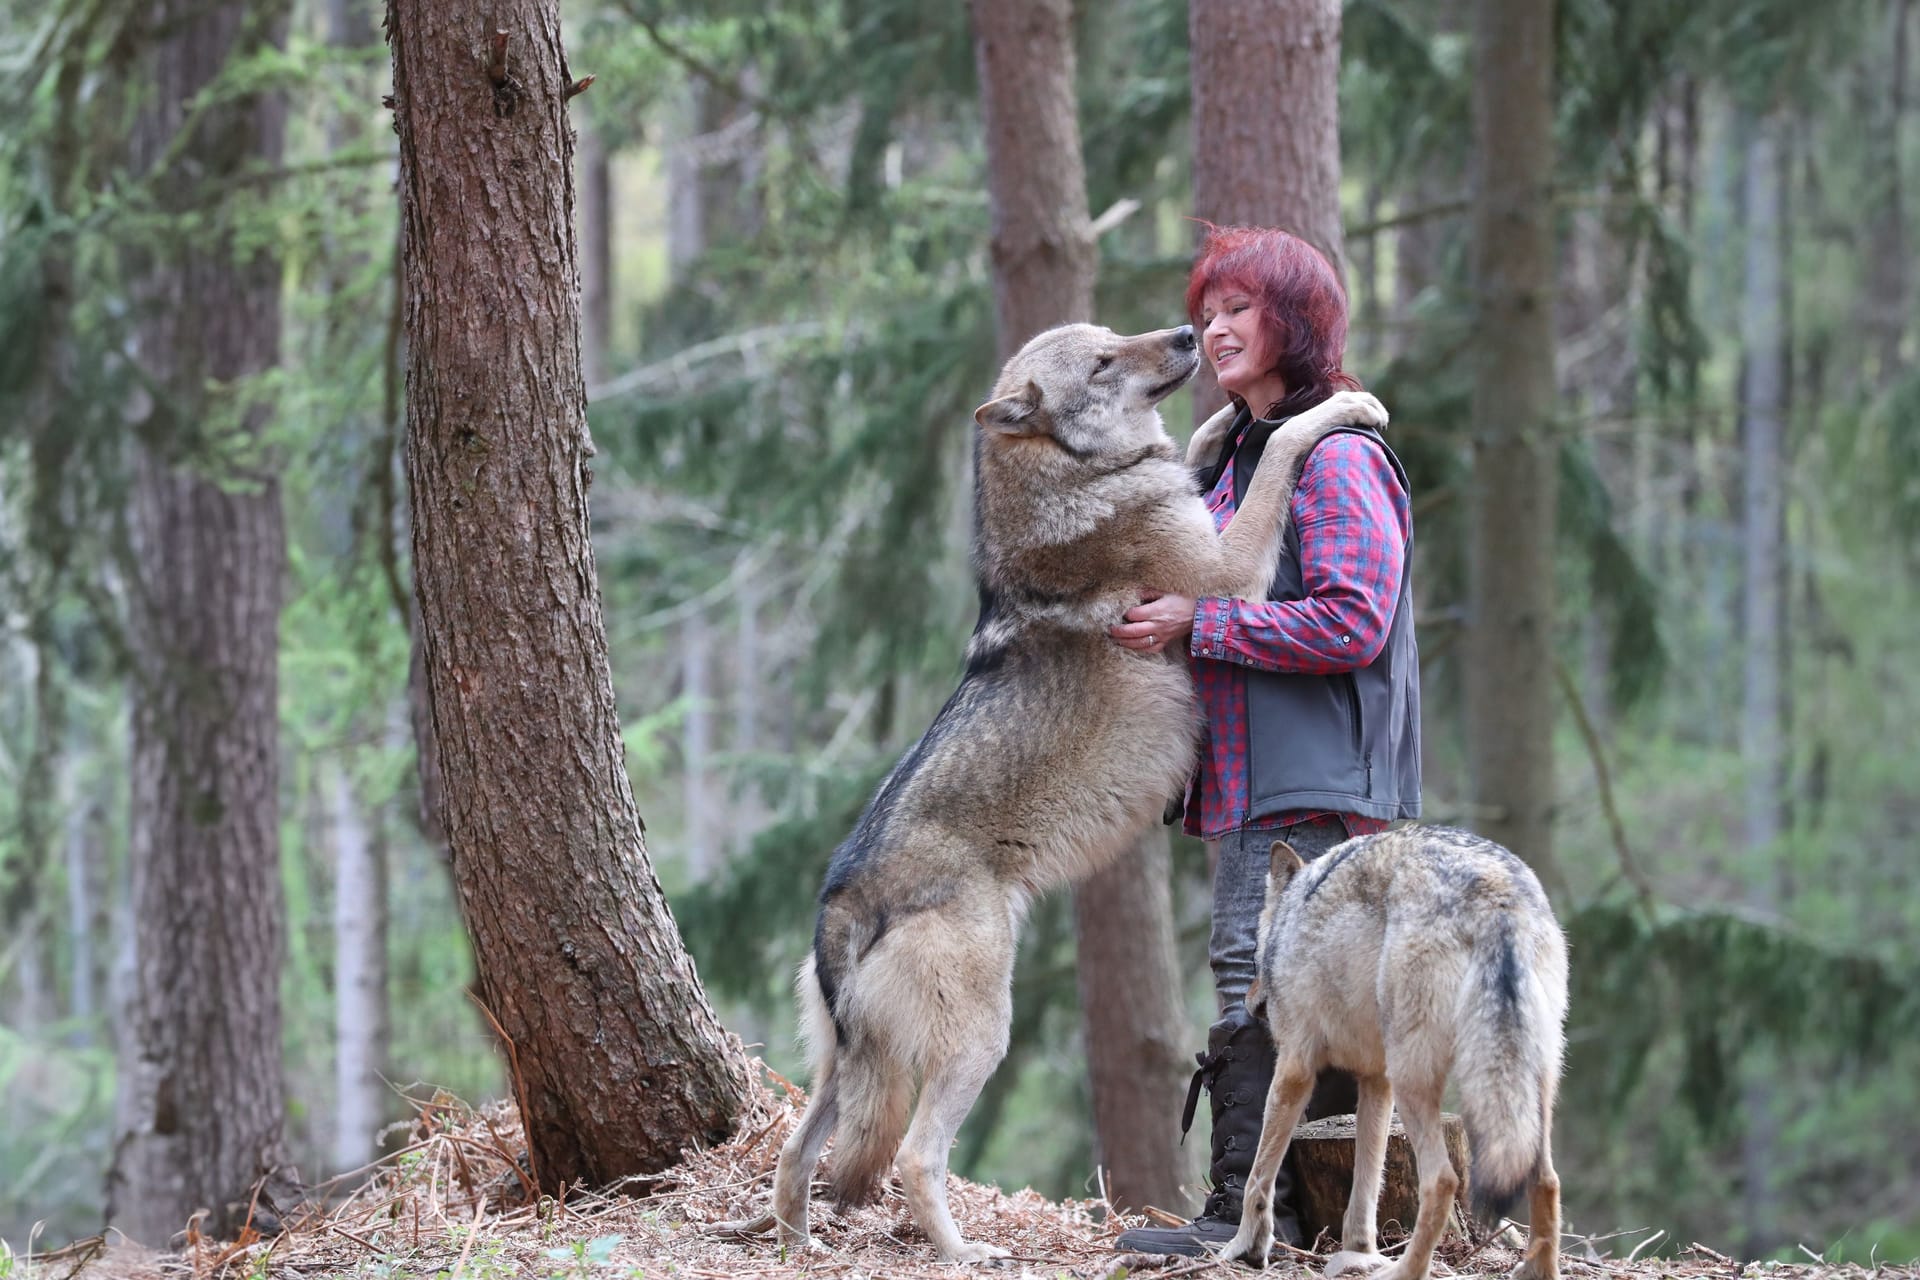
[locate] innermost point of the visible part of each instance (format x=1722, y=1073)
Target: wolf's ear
x=1284, y=866
x=1015, y=415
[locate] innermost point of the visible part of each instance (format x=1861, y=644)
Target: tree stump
x=1322, y=1156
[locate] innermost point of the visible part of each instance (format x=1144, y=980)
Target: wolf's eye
x=1102, y=364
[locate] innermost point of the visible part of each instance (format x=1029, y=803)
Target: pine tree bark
x=1266, y=126
x=1043, y=273
x=1515, y=484
x=1136, y=1032
x=201, y=1109
x=617, y=1058
x=1042, y=247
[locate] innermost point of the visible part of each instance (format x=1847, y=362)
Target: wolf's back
x=1507, y=1056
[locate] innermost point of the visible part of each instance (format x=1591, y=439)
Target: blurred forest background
x=784, y=229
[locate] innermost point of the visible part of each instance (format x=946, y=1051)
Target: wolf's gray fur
x=1058, y=746
x=1401, y=957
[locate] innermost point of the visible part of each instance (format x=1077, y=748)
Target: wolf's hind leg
x=793, y=1175
x=1542, y=1259
x=945, y=1099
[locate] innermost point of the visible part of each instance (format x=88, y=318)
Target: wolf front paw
x=1249, y=1245
x=796, y=1245
x=973, y=1251
x=1349, y=1262
x=1353, y=409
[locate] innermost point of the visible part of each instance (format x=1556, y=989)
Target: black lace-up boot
x=1235, y=1070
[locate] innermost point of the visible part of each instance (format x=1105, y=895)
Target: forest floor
x=453, y=1203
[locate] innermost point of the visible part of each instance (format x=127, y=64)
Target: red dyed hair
x=1303, y=309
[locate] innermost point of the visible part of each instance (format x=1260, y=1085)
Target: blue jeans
x=1240, y=891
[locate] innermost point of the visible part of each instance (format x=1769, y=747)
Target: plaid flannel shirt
x=1353, y=517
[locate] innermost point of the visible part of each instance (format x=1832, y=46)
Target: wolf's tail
x=1507, y=1058
x=872, y=1089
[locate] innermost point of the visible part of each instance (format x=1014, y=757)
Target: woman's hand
x=1155, y=623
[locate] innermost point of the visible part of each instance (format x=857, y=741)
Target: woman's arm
x=1353, y=517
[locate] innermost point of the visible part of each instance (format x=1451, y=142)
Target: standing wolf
x=1057, y=748
x=1400, y=957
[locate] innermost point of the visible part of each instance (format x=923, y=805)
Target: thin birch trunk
x=361, y=1028
x=697, y=743
x=1763, y=407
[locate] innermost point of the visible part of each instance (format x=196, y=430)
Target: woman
x=1310, y=699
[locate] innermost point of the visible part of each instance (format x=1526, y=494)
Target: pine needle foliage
x=1719, y=985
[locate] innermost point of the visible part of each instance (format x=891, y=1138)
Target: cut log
x=1322, y=1156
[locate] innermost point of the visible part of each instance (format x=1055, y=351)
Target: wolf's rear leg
x=1439, y=1183
x=793, y=1176
x=1286, y=1099
x=1542, y=1259
x=1359, y=1238
x=945, y=1099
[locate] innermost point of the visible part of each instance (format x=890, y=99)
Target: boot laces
x=1209, y=1070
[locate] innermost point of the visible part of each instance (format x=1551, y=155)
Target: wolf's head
x=1089, y=391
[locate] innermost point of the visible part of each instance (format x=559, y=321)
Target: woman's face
x=1236, y=343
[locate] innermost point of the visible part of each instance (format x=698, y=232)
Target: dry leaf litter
x=454, y=1202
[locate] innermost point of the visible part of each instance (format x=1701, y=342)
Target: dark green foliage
x=1670, y=345
x=1133, y=102
x=1626, y=598
x=1720, y=985
x=1882, y=454
x=1403, y=90
x=774, y=885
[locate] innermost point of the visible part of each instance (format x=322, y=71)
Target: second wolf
x=1058, y=746
x=1405, y=957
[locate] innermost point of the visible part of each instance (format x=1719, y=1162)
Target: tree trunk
x=745, y=811
x=1322, y=1156
x=1266, y=126
x=1886, y=282
x=84, y=888
x=697, y=743
x=1130, y=1001
x=202, y=1100
x=1043, y=260
x=431, y=814
x=1043, y=251
x=361, y=1024
x=1763, y=405
x=617, y=1058
x=1510, y=680
x=712, y=166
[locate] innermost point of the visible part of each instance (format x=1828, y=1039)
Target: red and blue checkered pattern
x=1353, y=518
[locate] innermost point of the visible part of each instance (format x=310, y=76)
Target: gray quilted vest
x=1347, y=742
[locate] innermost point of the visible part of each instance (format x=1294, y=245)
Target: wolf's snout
x=1183, y=339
